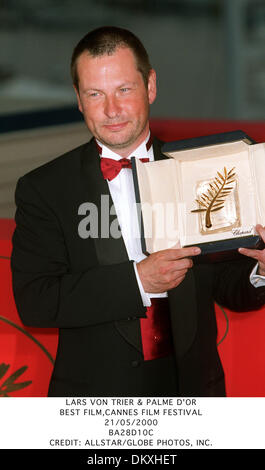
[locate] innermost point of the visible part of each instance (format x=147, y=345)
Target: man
x=129, y=325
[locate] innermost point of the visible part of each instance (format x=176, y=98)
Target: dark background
x=209, y=54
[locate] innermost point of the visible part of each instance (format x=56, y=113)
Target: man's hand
x=165, y=269
x=259, y=255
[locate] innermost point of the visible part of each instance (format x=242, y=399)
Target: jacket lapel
x=110, y=250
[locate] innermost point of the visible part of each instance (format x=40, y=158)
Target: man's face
x=114, y=100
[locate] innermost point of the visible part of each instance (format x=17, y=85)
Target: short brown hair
x=106, y=40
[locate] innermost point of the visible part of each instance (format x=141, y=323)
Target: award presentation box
x=209, y=192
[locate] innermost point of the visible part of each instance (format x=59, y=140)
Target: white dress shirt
x=122, y=192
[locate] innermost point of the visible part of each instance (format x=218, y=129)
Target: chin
x=118, y=141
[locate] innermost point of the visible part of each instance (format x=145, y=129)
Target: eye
x=92, y=94
x=125, y=89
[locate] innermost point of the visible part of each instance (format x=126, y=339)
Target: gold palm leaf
x=214, y=198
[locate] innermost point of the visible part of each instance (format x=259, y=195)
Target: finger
x=255, y=254
x=172, y=268
x=179, y=253
x=167, y=275
x=183, y=263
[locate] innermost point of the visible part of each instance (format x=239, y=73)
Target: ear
x=152, y=86
x=80, y=107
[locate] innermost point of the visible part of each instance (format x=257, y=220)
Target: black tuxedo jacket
x=87, y=288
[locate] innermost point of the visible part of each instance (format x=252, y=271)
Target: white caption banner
x=127, y=423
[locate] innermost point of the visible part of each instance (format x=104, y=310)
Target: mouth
x=116, y=127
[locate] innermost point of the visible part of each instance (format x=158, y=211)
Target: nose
x=112, y=107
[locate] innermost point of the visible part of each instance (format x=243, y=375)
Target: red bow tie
x=110, y=168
